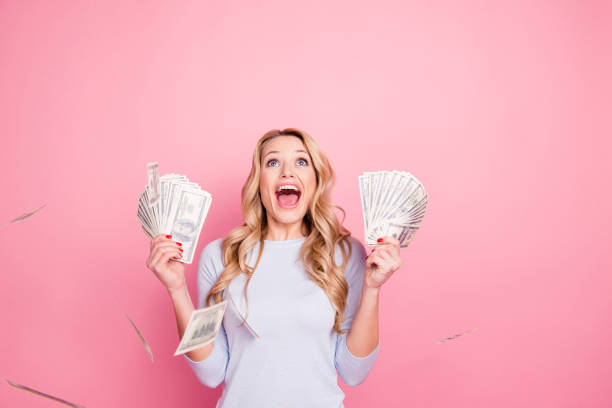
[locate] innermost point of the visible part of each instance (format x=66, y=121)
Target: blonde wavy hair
x=324, y=231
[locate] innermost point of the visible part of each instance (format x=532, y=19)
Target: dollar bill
x=393, y=204
x=142, y=339
x=202, y=327
x=153, y=185
x=187, y=217
x=43, y=394
x=180, y=211
x=26, y=215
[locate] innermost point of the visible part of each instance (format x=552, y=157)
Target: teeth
x=287, y=187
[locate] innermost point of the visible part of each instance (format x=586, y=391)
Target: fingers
x=163, y=254
x=388, y=239
x=161, y=238
x=391, y=249
x=388, y=242
x=391, y=255
x=381, y=256
x=164, y=244
x=387, y=249
x=377, y=256
x=385, y=254
x=161, y=241
x=383, y=262
x=161, y=248
x=374, y=259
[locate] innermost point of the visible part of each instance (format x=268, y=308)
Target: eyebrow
x=276, y=151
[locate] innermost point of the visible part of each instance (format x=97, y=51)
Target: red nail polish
x=168, y=236
x=179, y=244
x=181, y=249
x=379, y=240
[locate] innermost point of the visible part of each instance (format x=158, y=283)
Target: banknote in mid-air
x=180, y=211
x=202, y=327
x=393, y=204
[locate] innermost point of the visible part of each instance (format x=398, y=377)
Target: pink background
x=501, y=109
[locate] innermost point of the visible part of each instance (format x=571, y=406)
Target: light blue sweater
x=288, y=354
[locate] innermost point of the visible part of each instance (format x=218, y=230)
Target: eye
x=303, y=160
x=270, y=161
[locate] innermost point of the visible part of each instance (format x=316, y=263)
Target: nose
x=287, y=172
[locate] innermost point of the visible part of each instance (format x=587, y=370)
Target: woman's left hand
x=382, y=262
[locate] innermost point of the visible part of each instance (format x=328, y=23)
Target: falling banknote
x=179, y=210
x=202, y=327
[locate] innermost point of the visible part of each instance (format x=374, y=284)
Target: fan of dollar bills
x=173, y=205
x=393, y=204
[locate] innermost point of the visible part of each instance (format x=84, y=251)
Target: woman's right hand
x=170, y=272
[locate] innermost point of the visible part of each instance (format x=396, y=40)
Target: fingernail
x=168, y=236
x=379, y=240
x=181, y=249
x=179, y=244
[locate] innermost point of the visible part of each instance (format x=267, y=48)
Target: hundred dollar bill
x=180, y=210
x=154, y=185
x=202, y=327
x=42, y=394
x=393, y=204
x=187, y=218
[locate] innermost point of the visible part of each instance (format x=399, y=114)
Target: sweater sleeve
x=211, y=371
x=352, y=369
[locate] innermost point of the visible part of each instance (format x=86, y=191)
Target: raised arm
x=210, y=370
x=366, y=276
x=208, y=362
x=357, y=349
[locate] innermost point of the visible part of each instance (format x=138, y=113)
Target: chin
x=290, y=218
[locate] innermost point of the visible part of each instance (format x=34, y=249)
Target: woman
x=302, y=295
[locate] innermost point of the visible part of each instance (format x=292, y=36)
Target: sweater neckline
x=284, y=242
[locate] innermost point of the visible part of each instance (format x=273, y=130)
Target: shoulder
x=213, y=249
x=358, y=251
x=356, y=261
x=211, y=258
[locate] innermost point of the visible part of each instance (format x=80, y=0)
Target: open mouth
x=288, y=196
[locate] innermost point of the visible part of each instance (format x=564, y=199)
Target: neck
x=277, y=231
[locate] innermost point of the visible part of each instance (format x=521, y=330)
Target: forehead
x=283, y=144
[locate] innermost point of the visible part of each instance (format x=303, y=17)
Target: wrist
x=370, y=292
x=176, y=293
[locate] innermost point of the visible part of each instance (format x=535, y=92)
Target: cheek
x=265, y=190
x=264, y=194
x=312, y=182
x=311, y=187
x=264, y=183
